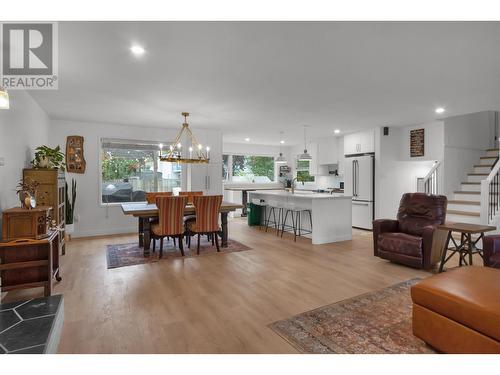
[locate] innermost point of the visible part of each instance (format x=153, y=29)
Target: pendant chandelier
x=281, y=158
x=195, y=152
x=4, y=98
x=305, y=156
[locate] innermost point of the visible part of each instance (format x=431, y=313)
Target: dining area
x=180, y=216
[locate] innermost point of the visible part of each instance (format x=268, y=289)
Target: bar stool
x=274, y=205
x=295, y=210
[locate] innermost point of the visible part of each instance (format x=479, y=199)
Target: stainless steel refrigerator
x=359, y=182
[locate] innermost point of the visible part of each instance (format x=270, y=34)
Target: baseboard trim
x=104, y=232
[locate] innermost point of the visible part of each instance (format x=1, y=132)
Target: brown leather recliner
x=413, y=238
x=491, y=251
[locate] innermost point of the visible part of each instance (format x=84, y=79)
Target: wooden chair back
x=171, y=215
x=151, y=197
x=190, y=195
x=207, y=208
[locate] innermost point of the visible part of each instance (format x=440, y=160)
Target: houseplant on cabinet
x=26, y=190
x=47, y=158
x=70, y=208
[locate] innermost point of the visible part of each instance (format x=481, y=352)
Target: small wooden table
x=467, y=246
x=30, y=263
x=144, y=212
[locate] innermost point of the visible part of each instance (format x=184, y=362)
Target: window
x=129, y=169
x=303, y=171
x=248, y=168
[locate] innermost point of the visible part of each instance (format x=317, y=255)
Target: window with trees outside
x=130, y=169
x=248, y=168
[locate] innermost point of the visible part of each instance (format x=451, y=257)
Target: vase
x=69, y=229
x=44, y=162
x=25, y=200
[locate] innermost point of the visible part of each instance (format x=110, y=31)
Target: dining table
x=144, y=212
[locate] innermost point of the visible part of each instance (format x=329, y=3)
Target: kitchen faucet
x=293, y=184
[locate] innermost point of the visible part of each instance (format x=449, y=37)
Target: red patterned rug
x=377, y=322
x=131, y=254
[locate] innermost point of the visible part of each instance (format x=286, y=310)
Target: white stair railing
x=490, y=192
x=430, y=184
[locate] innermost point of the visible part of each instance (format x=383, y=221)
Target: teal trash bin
x=254, y=212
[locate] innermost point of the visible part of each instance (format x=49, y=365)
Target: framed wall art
x=75, y=160
x=417, y=143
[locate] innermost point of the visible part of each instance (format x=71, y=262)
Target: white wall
x=465, y=139
x=23, y=127
x=251, y=149
x=396, y=172
x=91, y=217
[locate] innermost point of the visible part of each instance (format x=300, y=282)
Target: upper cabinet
x=360, y=142
x=328, y=151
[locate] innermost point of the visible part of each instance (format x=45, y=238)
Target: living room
x=315, y=186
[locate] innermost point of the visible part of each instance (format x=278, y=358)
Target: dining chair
x=207, y=209
x=151, y=197
x=190, y=195
x=171, y=221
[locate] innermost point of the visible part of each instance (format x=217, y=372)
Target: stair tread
x=465, y=213
x=467, y=192
x=458, y=201
x=471, y=183
x=488, y=157
x=478, y=174
x=492, y=149
x=483, y=165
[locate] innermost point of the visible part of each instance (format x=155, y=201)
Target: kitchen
x=339, y=166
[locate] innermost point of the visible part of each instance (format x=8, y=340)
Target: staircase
x=465, y=206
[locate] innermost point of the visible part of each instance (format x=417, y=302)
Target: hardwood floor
x=219, y=303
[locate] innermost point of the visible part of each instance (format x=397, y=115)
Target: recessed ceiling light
x=282, y=142
x=440, y=110
x=137, y=50
x=247, y=139
x=336, y=131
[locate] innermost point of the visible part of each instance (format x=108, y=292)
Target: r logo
x=27, y=49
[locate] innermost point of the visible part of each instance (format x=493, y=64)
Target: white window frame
x=99, y=161
x=230, y=167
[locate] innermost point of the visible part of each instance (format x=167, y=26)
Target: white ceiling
x=253, y=79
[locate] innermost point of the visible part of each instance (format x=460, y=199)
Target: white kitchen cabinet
x=205, y=177
x=328, y=151
x=359, y=142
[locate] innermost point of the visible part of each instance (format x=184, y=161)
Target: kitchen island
x=331, y=213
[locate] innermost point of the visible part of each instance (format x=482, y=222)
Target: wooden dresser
x=51, y=192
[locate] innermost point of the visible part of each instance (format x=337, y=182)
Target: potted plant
x=70, y=208
x=47, y=158
x=26, y=190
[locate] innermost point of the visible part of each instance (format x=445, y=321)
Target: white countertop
x=300, y=194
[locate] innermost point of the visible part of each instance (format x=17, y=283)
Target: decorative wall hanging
x=75, y=161
x=417, y=142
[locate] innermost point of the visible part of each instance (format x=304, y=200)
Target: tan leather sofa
x=459, y=311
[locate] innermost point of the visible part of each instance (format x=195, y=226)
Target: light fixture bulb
x=247, y=139
x=282, y=142
x=336, y=131
x=208, y=148
x=190, y=149
x=440, y=110
x=4, y=98
x=199, y=147
x=179, y=145
x=137, y=50
x=160, y=145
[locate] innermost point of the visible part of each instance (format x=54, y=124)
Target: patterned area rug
x=377, y=322
x=131, y=254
